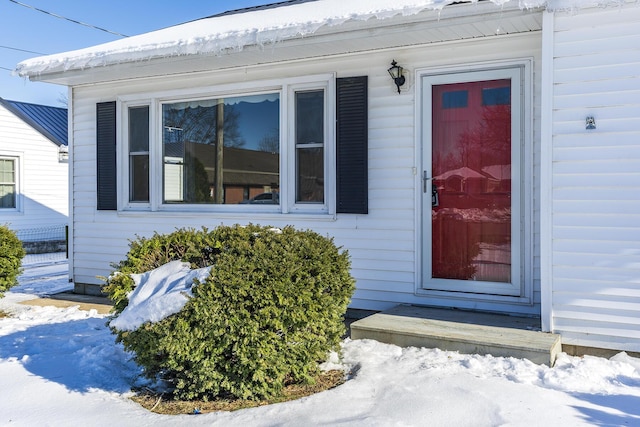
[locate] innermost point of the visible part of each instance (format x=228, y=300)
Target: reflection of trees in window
x=198, y=138
x=490, y=137
x=198, y=124
x=195, y=173
x=270, y=142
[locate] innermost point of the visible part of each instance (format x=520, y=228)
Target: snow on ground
x=44, y=274
x=61, y=367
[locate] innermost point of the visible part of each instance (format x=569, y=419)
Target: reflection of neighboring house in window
x=173, y=170
x=463, y=179
x=499, y=177
x=246, y=173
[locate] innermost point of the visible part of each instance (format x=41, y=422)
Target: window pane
x=139, y=154
x=471, y=152
x=496, y=96
x=139, y=129
x=222, y=151
x=139, y=178
x=310, y=117
x=7, y=183
x=455, y=99
x=309, y=146
x=310, y=185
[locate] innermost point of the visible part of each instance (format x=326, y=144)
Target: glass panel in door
x=471, y=152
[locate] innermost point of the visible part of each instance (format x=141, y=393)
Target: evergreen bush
x=270, y=311
x=11, y=255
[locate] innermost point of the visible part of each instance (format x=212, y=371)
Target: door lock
x=435, y=200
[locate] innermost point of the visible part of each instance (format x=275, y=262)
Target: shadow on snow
x=80, y=354
x=611, y=410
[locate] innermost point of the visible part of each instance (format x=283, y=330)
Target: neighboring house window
x=139, y=154
x=296, y=146
x=8, y=183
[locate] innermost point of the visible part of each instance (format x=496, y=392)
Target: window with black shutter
x=235, y=166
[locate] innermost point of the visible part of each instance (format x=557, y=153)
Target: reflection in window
x=7, y=183
x=139, y=154
x=471, y=152
x=221, y=151
x=496, y=96
x=455, y=99
x=309, y=146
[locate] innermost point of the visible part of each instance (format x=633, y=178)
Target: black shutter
x=106, y=155
x=352, y=145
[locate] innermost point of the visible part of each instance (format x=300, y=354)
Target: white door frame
x=520, y=291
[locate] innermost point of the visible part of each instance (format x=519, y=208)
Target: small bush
x=271, y=309
x=11, y=254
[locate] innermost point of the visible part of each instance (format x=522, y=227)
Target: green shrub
x=11, y=254
x=271, y=309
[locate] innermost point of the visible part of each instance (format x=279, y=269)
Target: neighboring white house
x=34, y=170
x=500, y=172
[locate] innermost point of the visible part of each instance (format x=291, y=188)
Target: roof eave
x=373, y=34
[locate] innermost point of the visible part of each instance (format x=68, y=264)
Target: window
x=243, y=148
x=309, y=142
x=8, y=183
x=139, y=154
x=221, y=151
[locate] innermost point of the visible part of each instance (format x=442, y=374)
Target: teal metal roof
x=49, y=121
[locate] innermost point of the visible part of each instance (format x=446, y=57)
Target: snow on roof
x=234, y=32
x=257, y=26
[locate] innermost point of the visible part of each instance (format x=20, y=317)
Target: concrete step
x=464, y=331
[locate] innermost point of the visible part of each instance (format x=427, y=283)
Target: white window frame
x=329, y=148
x=124, y=119
x=286, y=89
x=17, y=159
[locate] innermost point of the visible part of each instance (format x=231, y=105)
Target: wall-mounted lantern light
x=590, y=123
x=396, y=74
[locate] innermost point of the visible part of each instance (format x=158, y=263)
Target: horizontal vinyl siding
x=596, y=178
x=43, y=181
x=382, y=244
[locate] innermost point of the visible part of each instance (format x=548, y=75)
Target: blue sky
x=27, y=29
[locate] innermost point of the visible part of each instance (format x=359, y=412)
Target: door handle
x=435, y=200
x=425, y=181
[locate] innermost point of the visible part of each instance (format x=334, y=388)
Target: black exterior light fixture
x=396, y=74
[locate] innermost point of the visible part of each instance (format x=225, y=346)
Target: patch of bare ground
x=165, y=404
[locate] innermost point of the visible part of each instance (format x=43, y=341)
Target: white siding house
x=475, y=182
x=593, y=187
x=34, y=170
